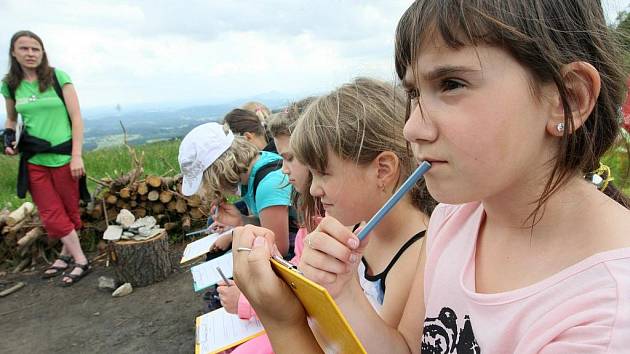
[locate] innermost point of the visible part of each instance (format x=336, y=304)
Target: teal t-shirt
x=44, y=116
x=274, y=189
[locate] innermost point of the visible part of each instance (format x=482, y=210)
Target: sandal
x=76, y=277
x=57, y=269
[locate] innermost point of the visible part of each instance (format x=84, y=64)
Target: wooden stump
x=142, y=263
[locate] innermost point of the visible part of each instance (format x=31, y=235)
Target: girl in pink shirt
x=513, y=102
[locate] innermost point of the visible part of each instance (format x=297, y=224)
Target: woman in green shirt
x=53, y=137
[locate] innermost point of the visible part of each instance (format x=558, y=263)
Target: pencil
x=406, y=186
x=225, y=279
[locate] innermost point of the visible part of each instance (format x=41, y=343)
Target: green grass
x=160, y=158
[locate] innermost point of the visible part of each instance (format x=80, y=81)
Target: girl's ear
x=583, y=83
x=248, y=136
x=387, y=166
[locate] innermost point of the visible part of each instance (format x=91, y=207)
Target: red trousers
x=56, y=195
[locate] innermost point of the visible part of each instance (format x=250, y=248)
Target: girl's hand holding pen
x=228, y=294
x=274, y=302
x=226, y=214
x=331, y=256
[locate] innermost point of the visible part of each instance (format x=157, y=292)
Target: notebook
x=201, y=246
x=206, y=275
x=218, y=330
x=332, y=331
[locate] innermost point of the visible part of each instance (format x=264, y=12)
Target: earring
x=560, y=127
x=381, y=187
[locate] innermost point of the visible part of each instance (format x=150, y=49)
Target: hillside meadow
x=160, y=158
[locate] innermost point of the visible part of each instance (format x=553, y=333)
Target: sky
x=200, y=52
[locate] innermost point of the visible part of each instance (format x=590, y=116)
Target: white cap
x=199, y=149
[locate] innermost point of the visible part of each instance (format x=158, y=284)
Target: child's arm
x=277, y=307
x=326, y=260
x=398, y=284
x=276, y=219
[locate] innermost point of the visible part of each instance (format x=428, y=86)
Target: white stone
x=125, y=218
x=123, y=290
x=147, y=221
x=113, y=233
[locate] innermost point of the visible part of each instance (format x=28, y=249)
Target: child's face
x=297, y=172
x=480, y=125
x=347, y=191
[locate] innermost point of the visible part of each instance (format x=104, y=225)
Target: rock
x=125, y=218
x=146, y=234
x=128, y=234
x=113, y=232
x=106, y=283
x=147, y=221
x=123, y=290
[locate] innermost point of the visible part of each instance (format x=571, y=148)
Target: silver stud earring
x=560, y=127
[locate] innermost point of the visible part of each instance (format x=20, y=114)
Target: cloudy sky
x=162, y=52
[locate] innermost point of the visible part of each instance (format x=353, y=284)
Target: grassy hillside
x=160, y=158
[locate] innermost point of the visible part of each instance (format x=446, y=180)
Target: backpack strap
x=263, y=171
x=58, y=89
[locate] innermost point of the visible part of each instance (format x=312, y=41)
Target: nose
x=285, y=167
x=420, y=127
x=316, y=189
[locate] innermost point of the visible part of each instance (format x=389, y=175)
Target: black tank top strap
x=383, y=275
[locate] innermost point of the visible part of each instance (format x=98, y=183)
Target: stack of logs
x=21, y=241
x=22, y=237
x=157, y=196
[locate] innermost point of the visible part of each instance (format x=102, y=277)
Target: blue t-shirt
x=274, y=189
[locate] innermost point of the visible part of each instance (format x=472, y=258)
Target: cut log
x=97, y=211
x=133, y=204
x=196, y=214
x=194, y=201
x=153, y=195
x=157, y=208
x=170, y=226
x=154, y=181
x=20, y=213
x=30, y=237
x=140, y=212
x=166, y=196
x=125, y=193
x=181, y=206
x=186, y=223
x=172, y=206
x=142, y=263
x=111, y=199
x=142, y=188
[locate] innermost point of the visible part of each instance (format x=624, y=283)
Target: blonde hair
x=282, y=123
x=224, y=175
x=357, y=122
x=259, y=109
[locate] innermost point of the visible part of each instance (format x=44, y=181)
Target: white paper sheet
x=206, y=274
x=219, y=330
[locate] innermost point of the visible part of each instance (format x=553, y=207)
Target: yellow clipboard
x=332, y=331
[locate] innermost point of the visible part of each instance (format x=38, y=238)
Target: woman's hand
x=274, y=303
x=331, y=257
x=76, y=167
x=227, y=214
x=10, y=151
x=229, y=294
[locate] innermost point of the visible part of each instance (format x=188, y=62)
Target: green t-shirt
x=44, y=116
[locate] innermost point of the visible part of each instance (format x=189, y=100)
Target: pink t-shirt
x=584, y=308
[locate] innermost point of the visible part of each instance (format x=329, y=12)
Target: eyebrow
x=439, y=72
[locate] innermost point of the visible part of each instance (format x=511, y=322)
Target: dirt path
x=45, y=318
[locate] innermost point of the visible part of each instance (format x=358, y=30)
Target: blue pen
x=406, y=186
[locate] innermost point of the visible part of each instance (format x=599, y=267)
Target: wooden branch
x=20, y=213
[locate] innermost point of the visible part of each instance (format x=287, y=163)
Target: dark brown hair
x=543, y=36
x=241, y=121
x=16, y=75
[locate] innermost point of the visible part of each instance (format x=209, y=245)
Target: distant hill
x=149, y=125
